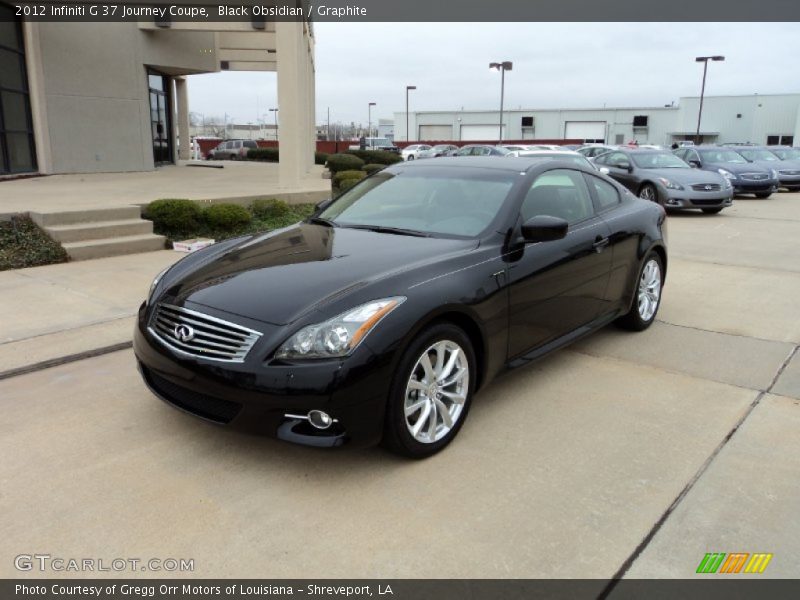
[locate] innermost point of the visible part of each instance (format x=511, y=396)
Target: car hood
x=788, y=165
x=279, y=276
x=736, y=168
x=686, y=176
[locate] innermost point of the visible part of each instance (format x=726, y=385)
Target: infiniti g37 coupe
x=380, y=316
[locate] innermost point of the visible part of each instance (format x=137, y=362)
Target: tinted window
x=436, y=201
x=658, y=160
x=722, y=155
x=558, y=193
x=612, y=158
x=607, y=195
x=758, y=155
x=250, y=144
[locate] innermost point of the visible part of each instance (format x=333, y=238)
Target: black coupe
x=379, y=317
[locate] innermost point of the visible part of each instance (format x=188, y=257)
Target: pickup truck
x=377, y=143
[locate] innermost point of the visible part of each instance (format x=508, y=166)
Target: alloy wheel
x=436, y=391
x=648, y=193
x=649, y=289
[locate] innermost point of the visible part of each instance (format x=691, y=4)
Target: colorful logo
x=735, y=562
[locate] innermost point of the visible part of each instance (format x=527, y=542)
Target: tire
x=711, y=211
x=638, y=319
x=453, y=399
x=763, y=194
x=410, y=157
x=649, y=192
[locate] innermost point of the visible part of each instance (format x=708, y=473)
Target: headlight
x=670, y=185
x=726, y=174
x=154, y=284
x=340, y=335
x=774, y=173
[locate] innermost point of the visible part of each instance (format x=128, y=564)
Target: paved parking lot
x=633, y=453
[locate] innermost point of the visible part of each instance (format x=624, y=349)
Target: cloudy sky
x=555, y=65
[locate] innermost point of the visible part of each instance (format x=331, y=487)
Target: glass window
x=250, y=144
x=15, y=111
x=607, y=195
x=658, y=160
x=156, y=82
x=559, y=193
x=11, y=70
x=20, y=155
x=764, y=155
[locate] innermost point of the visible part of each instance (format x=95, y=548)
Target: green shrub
x=339, y=177
x=226, y=216
x=380, y=157
x=347, y=184
x=269, y=209
x=344, y=162
x=174, y=216
x=372, y=168
x=23, y=244
x=267, y=154
x=320, y=158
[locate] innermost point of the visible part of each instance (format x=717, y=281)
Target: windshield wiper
x=321, y=221
x=383, y=229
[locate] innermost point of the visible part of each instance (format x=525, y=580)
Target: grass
x=23, y=244
x=295, y=213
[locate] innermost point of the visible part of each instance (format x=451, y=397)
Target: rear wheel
x=711, y=211
x=410, y=157
x=431, y=392
x=763, y=194
x=648, y=295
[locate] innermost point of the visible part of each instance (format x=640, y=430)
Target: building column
x=36, y=93
x=293, y=98
x=182, y=105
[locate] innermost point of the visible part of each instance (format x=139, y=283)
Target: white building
x=764, y=119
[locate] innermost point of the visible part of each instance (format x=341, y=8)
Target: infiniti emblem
x=184, y=333
x=708, y=187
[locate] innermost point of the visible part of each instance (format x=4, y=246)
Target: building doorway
x=160, y=118
x=17, y=150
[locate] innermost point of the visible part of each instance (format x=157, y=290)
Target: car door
x=556, y=287
x=617, y=164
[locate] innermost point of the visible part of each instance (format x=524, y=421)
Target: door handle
x=600, y=243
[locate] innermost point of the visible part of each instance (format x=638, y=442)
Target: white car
x=569, y=155
x=413, y=151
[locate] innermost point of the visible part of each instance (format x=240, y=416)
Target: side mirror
x=604, y=170
x=323, y=205
x=544, y=228
x=694, y=164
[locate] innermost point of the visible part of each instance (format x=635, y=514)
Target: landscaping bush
x=320, y=158
x=269, y=209
x=339, y=177
x=174, y=216
x=347, y=184
x=380, y=157
x=267, y=154
x=344, y=162
x=372, y=168
x=23, y=244
x=226, y=216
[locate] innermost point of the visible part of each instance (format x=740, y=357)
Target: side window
x=681, y=154
x=615, y=158
x=559, y=193
x=607, y=195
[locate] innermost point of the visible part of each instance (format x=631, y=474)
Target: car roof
x=549, y=152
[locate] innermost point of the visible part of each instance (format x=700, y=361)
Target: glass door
x=160, y=123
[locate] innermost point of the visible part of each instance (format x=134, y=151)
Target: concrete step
x=99, y=230
x=92, y=215
x=128, y=244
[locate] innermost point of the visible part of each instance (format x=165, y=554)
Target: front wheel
x=648, y=295
x=410, y=157
x=648, y=192
x=430, y=396
x=711, y=211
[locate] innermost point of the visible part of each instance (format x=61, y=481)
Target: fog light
x=319, y=419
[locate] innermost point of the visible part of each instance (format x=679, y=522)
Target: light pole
x=369, y=121
x=408, y=89
x=274, y=111
x=502, y=67
x=704, y=60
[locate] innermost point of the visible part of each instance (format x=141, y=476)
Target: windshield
x=441, y=147
x=658, y=160
x=758, y=155
x=722, y=156
x=442, y=201
x=787, y=153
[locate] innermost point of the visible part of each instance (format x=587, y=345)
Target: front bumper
x=791, y=182
x=750, y=186
x=689, y=198
x=257, y=395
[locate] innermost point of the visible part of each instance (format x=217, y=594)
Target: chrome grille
x=754, y=176
x=707, y=187
x=789, y=172
x=196, y=334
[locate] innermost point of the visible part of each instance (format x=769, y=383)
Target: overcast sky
x=555, y=65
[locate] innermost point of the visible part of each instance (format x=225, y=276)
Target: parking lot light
x=369, y=121
x=704, y=60
x=408, y=88
x=502, y=67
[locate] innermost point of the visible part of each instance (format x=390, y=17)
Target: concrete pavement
x=681, y=440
